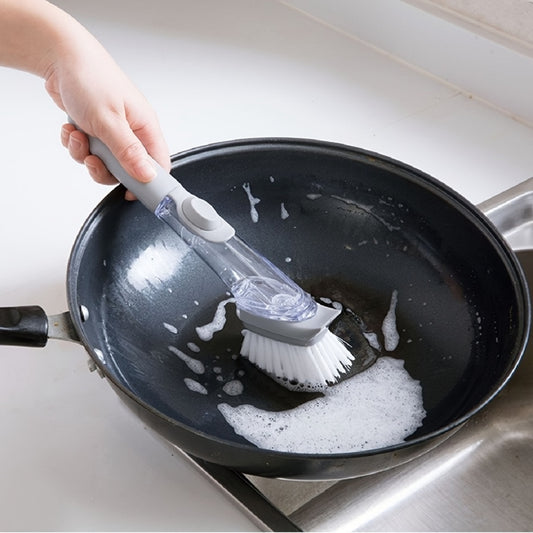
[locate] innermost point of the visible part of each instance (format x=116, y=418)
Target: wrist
x=34, y=34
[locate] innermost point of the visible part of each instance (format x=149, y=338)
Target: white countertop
x=72, y=457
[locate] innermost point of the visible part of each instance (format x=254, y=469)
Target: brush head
x=304, y=354
x=299, y=332
x=303, y=368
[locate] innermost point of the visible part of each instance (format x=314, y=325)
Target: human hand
x=85, y=82
x=104, y=103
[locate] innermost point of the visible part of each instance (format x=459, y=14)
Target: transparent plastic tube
x=258, y=286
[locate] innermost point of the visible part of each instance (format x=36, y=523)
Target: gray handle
x=193, y=213
x=150, y=194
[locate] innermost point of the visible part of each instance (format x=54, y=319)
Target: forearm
x=86, y=83
x=33, y=33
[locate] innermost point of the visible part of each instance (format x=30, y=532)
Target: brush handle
x=149, y=194
x=195, y=214
x=259, y=287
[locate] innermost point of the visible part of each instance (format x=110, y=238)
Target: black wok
x=360, y=225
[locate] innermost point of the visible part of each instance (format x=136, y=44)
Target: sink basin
x=481, y=479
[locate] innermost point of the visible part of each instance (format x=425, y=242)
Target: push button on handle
x=201, y=214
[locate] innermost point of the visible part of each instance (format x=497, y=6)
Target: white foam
x=313, y=196
x=155, y=266
x=372, y=339
x=170, y=327
x=233, y=388
x=390, y=333
x=196, y=366
x=207, y=331
x=284, y=212
x=195, y=386
x=253, y=202
x=379, y=407
x=193, y=347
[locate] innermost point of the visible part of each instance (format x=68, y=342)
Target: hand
x=105, y=104
x=86, y=83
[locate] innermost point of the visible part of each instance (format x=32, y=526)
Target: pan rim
x=469, y=210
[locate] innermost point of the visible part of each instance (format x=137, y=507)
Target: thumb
x=129, y=151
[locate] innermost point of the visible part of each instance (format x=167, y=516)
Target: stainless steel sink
x=480, y=479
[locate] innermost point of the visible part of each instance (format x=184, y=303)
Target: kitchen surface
x=391, y=77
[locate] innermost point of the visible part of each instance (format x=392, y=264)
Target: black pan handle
x=23, y=326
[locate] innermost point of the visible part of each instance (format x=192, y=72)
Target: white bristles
x=310, y=367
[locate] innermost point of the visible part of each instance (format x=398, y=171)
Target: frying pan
x=360, y=226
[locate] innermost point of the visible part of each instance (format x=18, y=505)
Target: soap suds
x=379, y=407
x=390, y=333
x=193, y=347
x=195, y=386
x=207, y=331
x=170, y=327
x=284, y=212
x=233, y=388
x=155, y=266
x=372, y=339
x=196, y=366
x=253, y=202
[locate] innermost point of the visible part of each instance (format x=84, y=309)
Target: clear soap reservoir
x=258, y=286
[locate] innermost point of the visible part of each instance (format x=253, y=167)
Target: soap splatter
x=253, y=202
x=233, y=388
x=195, y=386
x=196, y=366
x=284, y=212
x=207, y=331
x=372, y=339
x=155, y=266
x=193, y=347
x=392, y=337
x=170, y=327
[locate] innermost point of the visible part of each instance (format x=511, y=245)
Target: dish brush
x=286, y=331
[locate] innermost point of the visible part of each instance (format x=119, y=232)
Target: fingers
x=98, y=170
x=135, y=150
x=128, y=150
x=152, y=138
x=78, y=146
